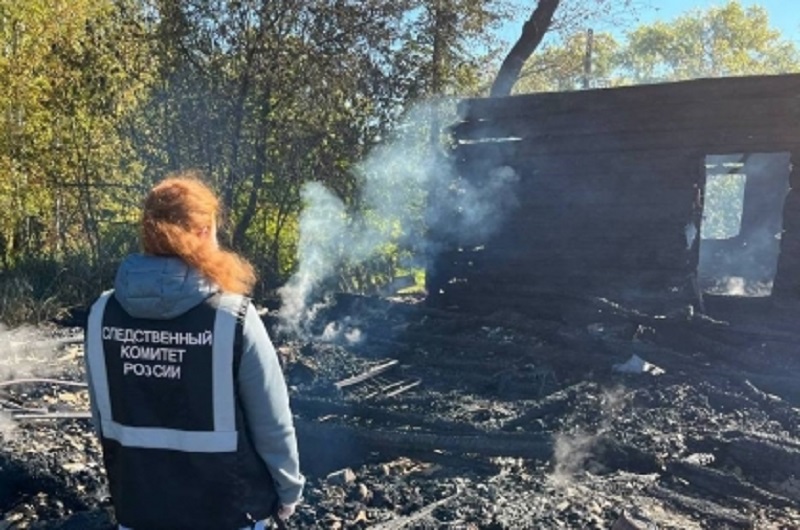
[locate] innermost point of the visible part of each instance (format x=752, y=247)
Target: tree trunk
x=532, y=33
x=259, y=169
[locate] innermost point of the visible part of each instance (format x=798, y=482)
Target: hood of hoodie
x=159, y=287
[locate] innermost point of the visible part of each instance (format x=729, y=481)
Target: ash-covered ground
x=415, y=417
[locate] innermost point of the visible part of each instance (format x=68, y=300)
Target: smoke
x=570, y=452
x=573, y=448
x=410, y=199
x=342, y=332
x=472, y=211
x=27, y=352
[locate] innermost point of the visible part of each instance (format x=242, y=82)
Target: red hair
x=178, y=219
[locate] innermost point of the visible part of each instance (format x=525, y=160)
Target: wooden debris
x=403, y=387
x=360, y=440
x=718, y=482
x=41, y=380
x=395, y=388
x=372, y=372
x=404, y=522
x=71, y=415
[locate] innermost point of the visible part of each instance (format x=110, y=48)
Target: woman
x=187, y=393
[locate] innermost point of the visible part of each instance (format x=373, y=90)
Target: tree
x=563, y=18
x=70, y=71
x=447, y=43
x=532, y=34
x=720, y=41
x=267, y=96
x=728, y=40
x=563, y=67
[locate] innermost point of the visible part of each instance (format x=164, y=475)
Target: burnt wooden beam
x=647, y=118
x=723, y=484
x=588, y=169
x=599, y=191
x=63, y=415
x=41, y=380
x=326, y=436
x=711, y=513
x=759, y=457
x=698, y=91
x=537, y=266
x=776, y=137
x=308, y=407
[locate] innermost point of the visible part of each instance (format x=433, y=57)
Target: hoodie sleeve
x=265, y=400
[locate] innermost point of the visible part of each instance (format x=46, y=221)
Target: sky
x=784, y=15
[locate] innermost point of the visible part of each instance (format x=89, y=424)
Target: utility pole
x=587, y=59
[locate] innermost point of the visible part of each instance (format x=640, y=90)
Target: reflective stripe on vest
x=224, y=436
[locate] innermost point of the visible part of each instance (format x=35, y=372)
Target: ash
x=415, y=417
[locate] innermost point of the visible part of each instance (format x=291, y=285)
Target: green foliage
x=722, y=41
x=723, y=205
x=101, y=98
x=41, y=289
x=561, y=68
x=19, y=304
x=263, y=107
x=265, y=97
x=729, y=40
x=70, y=72
x=438, y=54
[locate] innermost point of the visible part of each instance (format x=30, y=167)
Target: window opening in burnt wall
x=742, y=222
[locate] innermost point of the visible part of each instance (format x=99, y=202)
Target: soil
x=416, y=417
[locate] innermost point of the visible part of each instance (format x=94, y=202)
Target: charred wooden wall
x=609, y=179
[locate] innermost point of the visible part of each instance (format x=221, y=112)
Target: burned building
x=657, y=196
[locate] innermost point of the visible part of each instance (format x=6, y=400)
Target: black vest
x=175, y=444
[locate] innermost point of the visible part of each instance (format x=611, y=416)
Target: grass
x=40, y=290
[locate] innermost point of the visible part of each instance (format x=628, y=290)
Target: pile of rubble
x=415, y=417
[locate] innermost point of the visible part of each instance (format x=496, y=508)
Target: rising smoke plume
x=573, y=448
x=27, y=352
x=409, y=191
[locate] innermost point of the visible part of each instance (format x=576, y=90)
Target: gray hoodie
x=158, y=287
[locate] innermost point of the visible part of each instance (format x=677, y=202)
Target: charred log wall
x=608, y=182
x=787, y=280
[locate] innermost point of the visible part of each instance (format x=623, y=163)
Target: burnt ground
x=415, y=417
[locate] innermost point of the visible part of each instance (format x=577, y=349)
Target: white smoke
x=574, y=447
x=479, y=208
x=27, y=352
x=570, y=452
x=30, y=353
x=408, y=191
x=341, y=332
x=322, y=230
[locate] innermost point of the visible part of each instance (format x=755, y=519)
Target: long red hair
x=179, y=219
